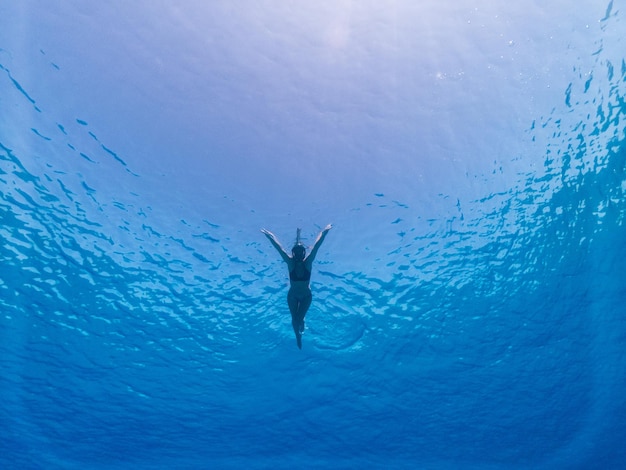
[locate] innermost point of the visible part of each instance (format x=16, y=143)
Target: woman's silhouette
x=299, y=265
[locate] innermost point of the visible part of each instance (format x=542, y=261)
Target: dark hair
x=298, y=251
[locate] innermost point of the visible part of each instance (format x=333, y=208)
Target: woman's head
x=298, y=251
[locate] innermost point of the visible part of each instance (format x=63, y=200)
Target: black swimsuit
x=299, y=272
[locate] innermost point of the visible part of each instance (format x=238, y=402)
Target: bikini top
x=299, y=272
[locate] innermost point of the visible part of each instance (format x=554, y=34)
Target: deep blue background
x=468, y=305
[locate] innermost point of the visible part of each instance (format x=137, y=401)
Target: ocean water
x=469, y=305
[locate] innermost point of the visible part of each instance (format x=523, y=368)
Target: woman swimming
x=299, y=265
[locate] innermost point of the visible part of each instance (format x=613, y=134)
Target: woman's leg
x=298, y=308
x=303, y=307
x=294, y=304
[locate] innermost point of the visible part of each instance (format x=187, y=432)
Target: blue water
x=469, y=318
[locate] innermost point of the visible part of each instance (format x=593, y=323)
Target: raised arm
x=272, y=238
x=318, y=242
